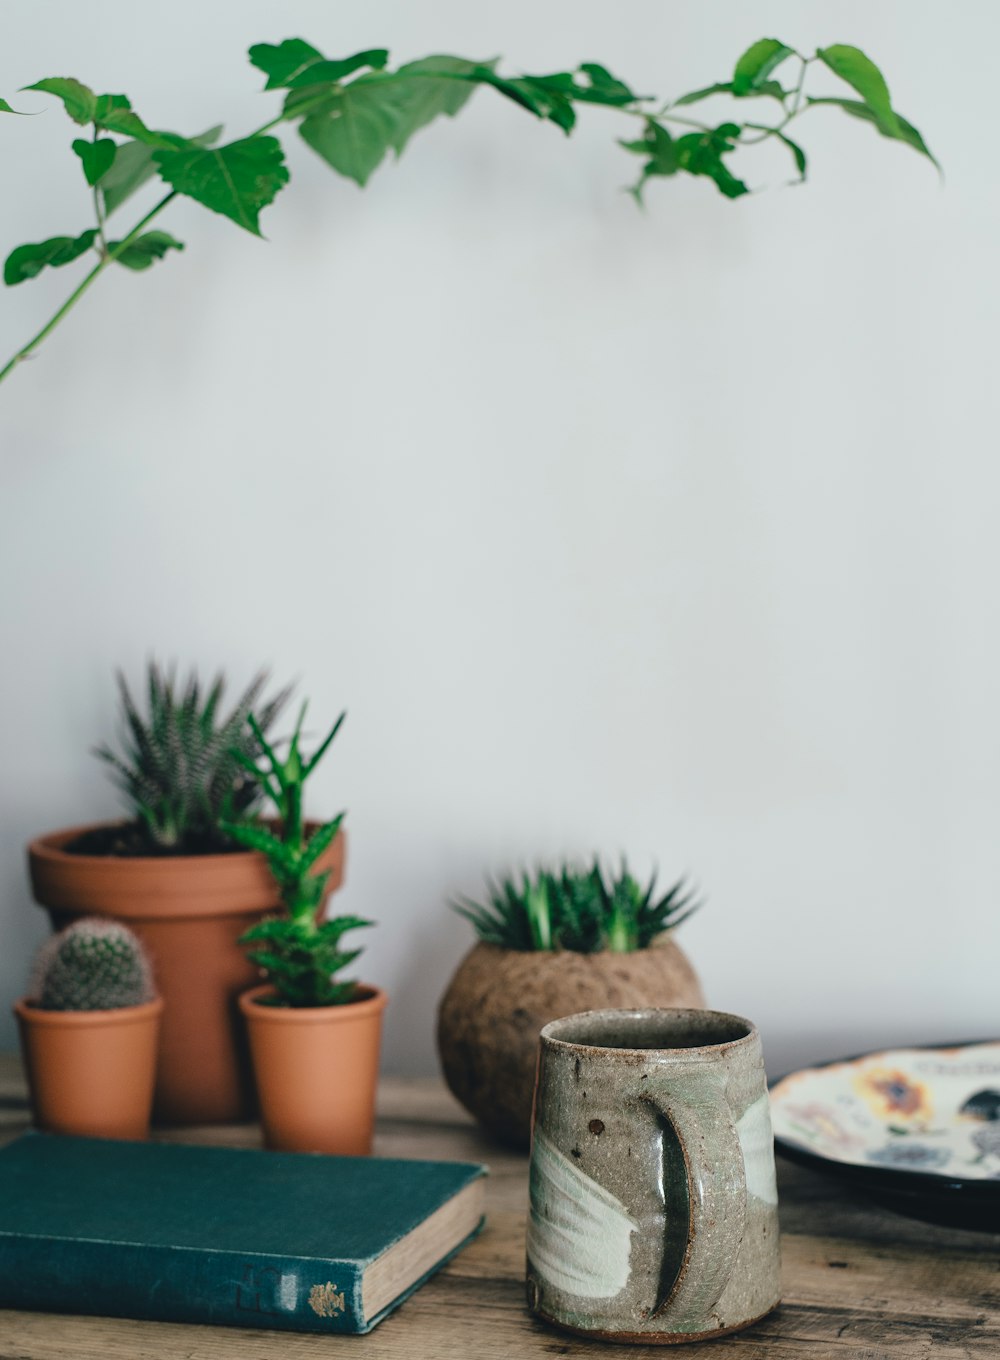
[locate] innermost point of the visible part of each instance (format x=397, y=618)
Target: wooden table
x=859, y=1282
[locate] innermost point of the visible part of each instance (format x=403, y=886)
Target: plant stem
x=82, y=287
x=770, y=130
x=99, y=212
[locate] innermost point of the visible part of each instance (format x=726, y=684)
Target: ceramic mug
x=653, y=1202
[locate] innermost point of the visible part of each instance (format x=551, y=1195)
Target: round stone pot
x=499, y=999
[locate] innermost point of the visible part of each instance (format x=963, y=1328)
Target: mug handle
x=702, y=1152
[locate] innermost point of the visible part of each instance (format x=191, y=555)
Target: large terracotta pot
x=317, y=1071
x=91, y=1072
x=189, y=912
x=499, y=999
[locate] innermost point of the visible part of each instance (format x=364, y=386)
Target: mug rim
x=549, y=1035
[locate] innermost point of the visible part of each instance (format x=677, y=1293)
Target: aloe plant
x=355, y=111
x=583, y=910
x=297, y=952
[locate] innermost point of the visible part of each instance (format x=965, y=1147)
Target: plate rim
x=899, y=1180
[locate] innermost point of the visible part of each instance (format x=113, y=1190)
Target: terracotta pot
x=189, y=912
x=91, y=1072
x=317, y=1071
x=499, y=999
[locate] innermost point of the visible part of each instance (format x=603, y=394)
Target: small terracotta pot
x=499, y=999
x=317, y=1071
x=189, y=912
x=91, y=1072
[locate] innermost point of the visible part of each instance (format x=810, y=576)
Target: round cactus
x=93, y=965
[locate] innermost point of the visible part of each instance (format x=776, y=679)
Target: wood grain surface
x=859, y=1283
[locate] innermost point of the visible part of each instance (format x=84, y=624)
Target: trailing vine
x=354, y=111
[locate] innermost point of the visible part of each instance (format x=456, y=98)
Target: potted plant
x=89, y=1027
x=173, y=873
x=314, y=1037
x=551, y=945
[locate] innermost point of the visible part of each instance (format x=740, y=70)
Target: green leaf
x=355, y=129
x=134, y=166
x=128, y=124
x=79, y=100
x=859, y=71
x=236, y=180
x=757, y=63
x=283, y=61
x=549, y=97
x=146, y=249
x=318, y=842
x=552, y=96
x=599, y=86
x=772, y=88
x=700, y=153
x=798, y=154
x=254, y=837
x=422, y=98
x=6, y=108
x=294, y=63
x=697, y=153
x=324, y=72
x=321, y=750
x=722, y=87
x=906, y=131
x=106, y=105
x=97, y=157
x=659, y=146
x=27, y=261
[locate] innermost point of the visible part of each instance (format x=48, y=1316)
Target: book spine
x=179, y=1284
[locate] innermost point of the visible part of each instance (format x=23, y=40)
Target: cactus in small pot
x=89, y=1030
x=93, y=965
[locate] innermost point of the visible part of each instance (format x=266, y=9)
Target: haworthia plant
x=353, y=111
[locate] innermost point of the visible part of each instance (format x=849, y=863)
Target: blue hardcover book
x=224, y=1235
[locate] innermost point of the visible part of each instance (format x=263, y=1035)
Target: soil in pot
x=189, y=911
x=316, y=1071
x=499, y=999
x=91, y=1073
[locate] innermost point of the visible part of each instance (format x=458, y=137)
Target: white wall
x=668, y=533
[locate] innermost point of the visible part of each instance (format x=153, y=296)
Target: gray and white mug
x=653, y=1202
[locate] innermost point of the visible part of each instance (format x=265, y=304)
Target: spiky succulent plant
x=580, y=909
x=92, y=965
x=179, y=766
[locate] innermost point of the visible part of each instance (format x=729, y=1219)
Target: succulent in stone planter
x=551, y=944
x=579, y=909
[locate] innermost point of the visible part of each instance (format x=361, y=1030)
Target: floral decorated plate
x=916, y=1128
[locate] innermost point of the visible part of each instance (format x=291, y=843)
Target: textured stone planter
x=499, y=999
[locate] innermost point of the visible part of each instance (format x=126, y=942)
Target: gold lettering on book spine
x=326, y=1301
